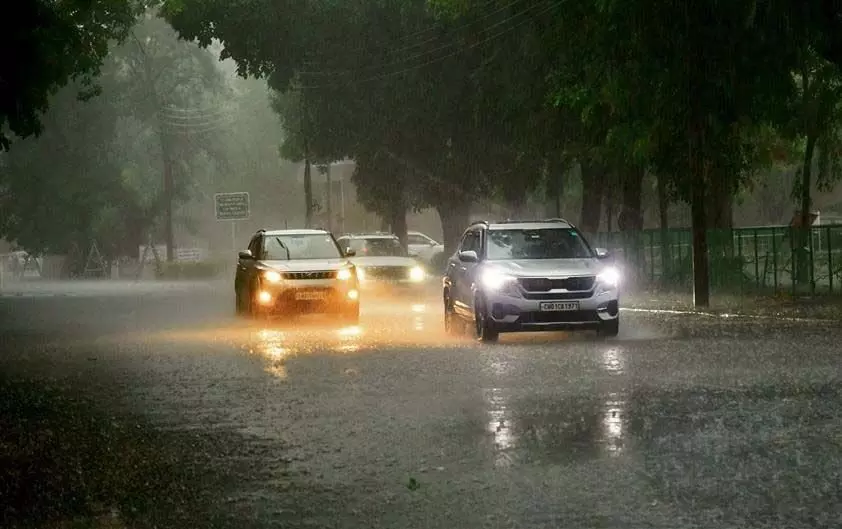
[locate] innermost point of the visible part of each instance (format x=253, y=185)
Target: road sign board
x=231, y=206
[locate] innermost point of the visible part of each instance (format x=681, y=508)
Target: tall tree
x=50, y=44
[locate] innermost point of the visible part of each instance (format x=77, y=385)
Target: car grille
x=386, y=272
x=327, y=274
x=543, y=284
x=552, y=296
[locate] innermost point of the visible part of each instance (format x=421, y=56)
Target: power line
x=452, y=31
x=438, y=59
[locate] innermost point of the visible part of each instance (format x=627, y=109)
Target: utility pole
x=329, y=198
x=169, y=237
x=308, y=179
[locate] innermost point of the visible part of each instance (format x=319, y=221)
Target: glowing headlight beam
x=496, y=280
x=609, y=276
x=344, y=274
x=416, y=274
x=272, y=276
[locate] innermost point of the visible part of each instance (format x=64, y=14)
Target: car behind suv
x=381, y=260
x=296, y=271
x=530, y=276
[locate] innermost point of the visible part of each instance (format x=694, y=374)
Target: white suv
x=530, y=276
x=288, y=272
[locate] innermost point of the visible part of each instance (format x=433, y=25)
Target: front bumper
x=316, y=296
x=513, y=314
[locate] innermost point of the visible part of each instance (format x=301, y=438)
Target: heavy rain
x=484, y=264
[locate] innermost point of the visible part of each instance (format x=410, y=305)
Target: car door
x=417, y=244
x=247, y=268
x=463, y=273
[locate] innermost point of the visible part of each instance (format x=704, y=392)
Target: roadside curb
x=726, y=315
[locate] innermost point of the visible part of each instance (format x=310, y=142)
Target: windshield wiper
x=284, y=246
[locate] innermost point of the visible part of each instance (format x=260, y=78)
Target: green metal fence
x=759, y=260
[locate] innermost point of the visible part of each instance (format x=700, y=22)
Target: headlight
x=361, y=274
x=344, y=274
x=609, y=277
x=416, y=274
x=496, y=280
x=272, y=276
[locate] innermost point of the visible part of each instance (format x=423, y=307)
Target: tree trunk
x=633, y=200
x=663, y=205
x=593, y=179
x=663, y=224
x=721, y=202
x=698, y=173
x=308, y=195
x=397, y=221
x=806, y=204
x=454, y=220
x=169, y=232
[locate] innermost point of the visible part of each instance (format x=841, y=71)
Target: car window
x=254, y=246
x=378, y=247
x=548, y=243
x=300, y=246
x=418, y=239
x=471, y=242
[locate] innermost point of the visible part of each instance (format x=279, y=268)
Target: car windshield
x=380, y=247
x=300, y=246
x=547, y=243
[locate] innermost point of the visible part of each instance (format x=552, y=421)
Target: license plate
x=310, y=295
x=556, y=306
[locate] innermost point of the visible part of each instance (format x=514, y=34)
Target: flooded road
x=682, y=421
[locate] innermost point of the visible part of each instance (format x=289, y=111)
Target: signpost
x=233, y=207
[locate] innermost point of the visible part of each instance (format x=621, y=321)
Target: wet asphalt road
x=683, y=421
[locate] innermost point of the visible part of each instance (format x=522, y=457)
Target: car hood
x=386, y=260
x=548, y=267
x=305, y=265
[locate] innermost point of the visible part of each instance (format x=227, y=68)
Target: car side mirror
x=246, y=255
x=602, y=253
x=468, y=256
x=350, y=253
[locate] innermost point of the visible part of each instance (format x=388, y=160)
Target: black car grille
x=329, y=274
x=386, y=272
x=543, y=284
x=552, y=296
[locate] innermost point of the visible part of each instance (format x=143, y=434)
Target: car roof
x=537, y=225
x=296, y=232
x=369, y=236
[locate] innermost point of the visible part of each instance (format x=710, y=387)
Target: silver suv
x=295, y=271
x=529, y=276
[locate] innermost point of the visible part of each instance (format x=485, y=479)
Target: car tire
x=610, y=328
x=239, y=310
x=453, y=325
x=484, y=328
x=351, y=316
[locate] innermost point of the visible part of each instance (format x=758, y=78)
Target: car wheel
x=351, y=316
x=610, y=328
x=483, y=325
x=238, y=303
x=452, y=324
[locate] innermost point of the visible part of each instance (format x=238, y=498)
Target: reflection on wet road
x=679, y=422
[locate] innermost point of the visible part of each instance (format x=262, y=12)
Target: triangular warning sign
x=94, y=262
